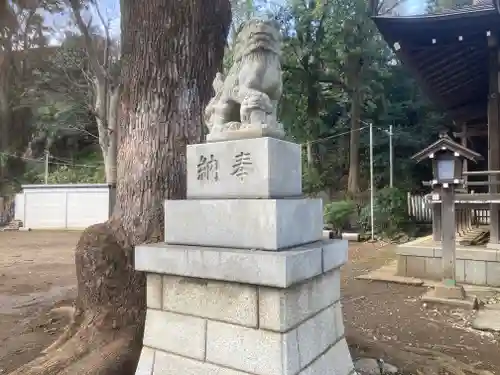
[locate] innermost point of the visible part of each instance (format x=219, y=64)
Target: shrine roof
x=445, y=143
x=447, y=52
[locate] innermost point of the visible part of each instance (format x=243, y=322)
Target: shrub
x=390, y=212
x=311, y=181
x=72, y=175
x=337, y=214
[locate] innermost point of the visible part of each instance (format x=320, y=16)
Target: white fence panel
x=481, y=217
x=44, y=209
x=87, y=207
x=422, y=212
x=64, y=206
x=419, y=209
x=19, y=207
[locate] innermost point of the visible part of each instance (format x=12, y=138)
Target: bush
x=337, y=214
x=75, y=175
x=390, y=212
x=311, y=181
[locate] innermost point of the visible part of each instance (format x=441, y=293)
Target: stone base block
x=248, y=133
x=268, y=224
x=199, y=326
x=336, y=360
x=468, y=302
x=447, y=291
x=267, y=268
x=248, y=168
x=474, y=265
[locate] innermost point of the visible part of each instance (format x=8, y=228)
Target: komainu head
x=258, y=35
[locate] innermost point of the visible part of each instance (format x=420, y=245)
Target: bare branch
x=99, y=70
x=85, y=131
x=74, y=82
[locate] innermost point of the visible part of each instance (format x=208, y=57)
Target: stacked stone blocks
x=474, y=264
x=244, y=285
x=241, y=328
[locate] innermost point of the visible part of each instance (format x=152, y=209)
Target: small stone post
x=449, y=288
x=436, y=221
x=245, y=283
x=448, y=241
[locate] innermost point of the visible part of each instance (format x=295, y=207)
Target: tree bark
x=353, y=179
x=171, y=52
x=106, y=109
x=106, y=93
x=5, y=110
x=355, y=68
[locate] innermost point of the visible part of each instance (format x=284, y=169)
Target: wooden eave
x=448, y=55
x=450, y=145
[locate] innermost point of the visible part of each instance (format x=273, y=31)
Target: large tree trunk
x=353, y=179
x=5, y=113
x=355, y=68
x=172, y=50
x=106, y=108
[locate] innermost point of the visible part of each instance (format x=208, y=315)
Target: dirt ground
x=37, y=273
x=391, y=315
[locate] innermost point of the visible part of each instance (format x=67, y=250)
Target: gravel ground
x=387, y=320
x=382, y=320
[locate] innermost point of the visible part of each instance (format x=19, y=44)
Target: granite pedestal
x=245, y=283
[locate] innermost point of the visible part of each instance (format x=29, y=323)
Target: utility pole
x=46, y=167
x=371, y=184
x=391, y=159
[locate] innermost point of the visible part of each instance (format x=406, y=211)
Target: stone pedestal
x=245, y=285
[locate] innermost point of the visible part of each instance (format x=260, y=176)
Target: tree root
x=69, y=331
x=84, y=349
x=412, y=360
x=104, y=335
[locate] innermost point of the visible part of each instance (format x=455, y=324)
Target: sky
x=411, y=7
x=110, y=9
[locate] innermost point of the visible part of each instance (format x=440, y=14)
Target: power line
x=70, y=162
x=66, y=162
x=51, y=163
x=336, y=135
x=367, y=125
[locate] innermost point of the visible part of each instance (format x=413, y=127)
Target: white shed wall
x=64, y=206
x=19, y=207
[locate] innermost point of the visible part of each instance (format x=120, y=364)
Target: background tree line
x=339, y=75
x=64, y=98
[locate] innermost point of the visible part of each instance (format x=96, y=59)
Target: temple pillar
x=493, y=135
x=436, y=222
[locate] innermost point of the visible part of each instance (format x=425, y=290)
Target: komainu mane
x=247, y=97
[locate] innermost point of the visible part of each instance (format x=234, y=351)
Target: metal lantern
x=447, y=167
x=447, y=160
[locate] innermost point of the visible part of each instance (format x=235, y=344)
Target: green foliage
x=390, y=212
x=76, y=175
x=331, y=50
x=87, y=168
x=338, y=214
x=311, y=181
x=322, y=44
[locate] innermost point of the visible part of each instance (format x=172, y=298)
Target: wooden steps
x=13, y=226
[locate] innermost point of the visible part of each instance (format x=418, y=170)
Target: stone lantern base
x=217, y=306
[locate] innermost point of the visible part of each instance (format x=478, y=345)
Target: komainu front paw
x=257, y=101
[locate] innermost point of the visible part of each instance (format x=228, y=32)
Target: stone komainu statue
x=247, y=98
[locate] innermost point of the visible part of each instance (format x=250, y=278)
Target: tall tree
x=171, y=51
x=22, y=31
x=104, y=83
